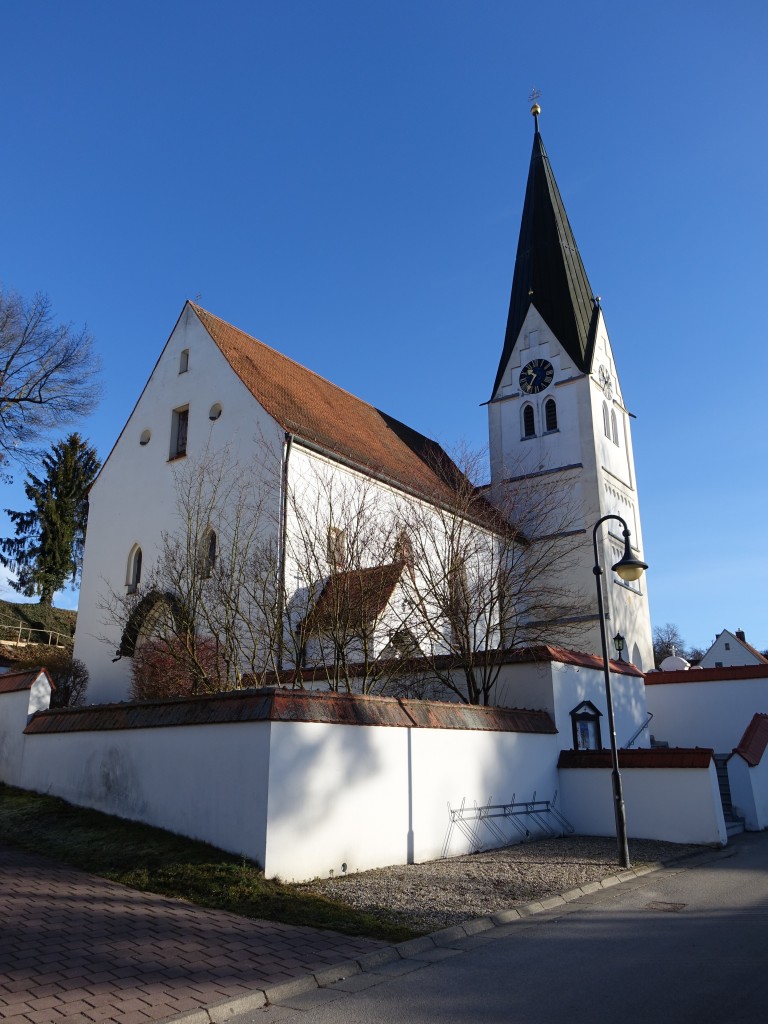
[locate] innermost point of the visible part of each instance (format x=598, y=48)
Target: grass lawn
x=157, y=861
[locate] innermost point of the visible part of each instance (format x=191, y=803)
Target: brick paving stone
x=76, y=949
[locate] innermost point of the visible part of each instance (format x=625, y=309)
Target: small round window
x=215, y=411
x=145, y=436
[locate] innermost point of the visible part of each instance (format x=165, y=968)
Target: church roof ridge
x=549, y=272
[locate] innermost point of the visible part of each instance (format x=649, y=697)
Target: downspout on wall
x=281, y=541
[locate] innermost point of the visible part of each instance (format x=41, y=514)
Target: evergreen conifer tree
x=47, y=548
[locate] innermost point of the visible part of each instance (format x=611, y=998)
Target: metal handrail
x=21, y=635
x=636, y=734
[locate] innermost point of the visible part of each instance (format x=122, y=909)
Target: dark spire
x=548, y=268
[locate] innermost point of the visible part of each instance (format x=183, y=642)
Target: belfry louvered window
x=550, y=415
x=529, y=424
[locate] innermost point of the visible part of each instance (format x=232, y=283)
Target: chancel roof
x=319, y=412
x=549, y=273
x=353, y=599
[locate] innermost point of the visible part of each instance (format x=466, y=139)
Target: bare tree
x=48, y=375
x=487, y=578
x=207, y=611
x=667, y=641
x=346, y=570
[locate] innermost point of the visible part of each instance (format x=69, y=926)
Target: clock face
x=536, y=376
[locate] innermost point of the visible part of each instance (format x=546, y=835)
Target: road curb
x=453, y=937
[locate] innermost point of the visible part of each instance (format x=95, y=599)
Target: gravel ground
x=440, y=893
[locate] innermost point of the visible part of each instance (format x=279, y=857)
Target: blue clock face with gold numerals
x=536, y=376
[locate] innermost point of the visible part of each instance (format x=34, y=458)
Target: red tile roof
x=655, y=757
x=708, y=675
x=271, y=705
x=548, y=652
x=354, y=599
x=10, y=682
x=315, y=410
x=754, y=741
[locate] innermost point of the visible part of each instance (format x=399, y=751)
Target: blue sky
x=345, y=179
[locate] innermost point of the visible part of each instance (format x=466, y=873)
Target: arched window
x=550, y=415
x=614, y=427
x=403, y=549
x=133, y=575
x=529, y=425
x=209, y=553
x=606, y=421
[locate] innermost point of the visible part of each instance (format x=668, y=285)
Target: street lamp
x=628, y=568
x=618, y=643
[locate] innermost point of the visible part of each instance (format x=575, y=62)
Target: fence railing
x=19, y=635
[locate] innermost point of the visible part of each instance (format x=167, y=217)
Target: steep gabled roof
x=319, y=412
x=353, y=600
x=753, y=743
x=549, y=273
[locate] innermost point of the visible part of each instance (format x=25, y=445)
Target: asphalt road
x=689, y=943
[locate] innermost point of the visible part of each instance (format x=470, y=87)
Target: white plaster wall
x=134, y=500
x=735, y=654
x=706, y=714
x=678, y=805
x=749, y=792
x=367, y=797
x=208, y=782
x=605, y=482
x=558, y=688
x=15, y=709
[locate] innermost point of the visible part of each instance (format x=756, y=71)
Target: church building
x=219, y=398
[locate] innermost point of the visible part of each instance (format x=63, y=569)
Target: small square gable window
x=585, y=719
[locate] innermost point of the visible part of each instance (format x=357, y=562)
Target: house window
x=550, y=415
x=208, y=554
x=184, y=361
x=614, y=428
x=529, y=425
x=133, y=575
x=727, y=647
x=404, y=549
x=606, y=421
x=179, y=425
x=337, y=547
x=585, y=721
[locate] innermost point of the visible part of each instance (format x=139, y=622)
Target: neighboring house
x=342, y=488
x=731, y=649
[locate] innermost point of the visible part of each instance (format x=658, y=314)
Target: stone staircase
x=733, y=823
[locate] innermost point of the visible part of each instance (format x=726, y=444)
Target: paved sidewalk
x=76, y=949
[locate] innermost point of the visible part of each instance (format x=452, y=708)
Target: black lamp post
x=628, y=568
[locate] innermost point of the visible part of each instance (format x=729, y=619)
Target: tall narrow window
x=209, y=554
x=404, y=549
x=184, y=361
x=606, y=421
x=550, y=414
x=614, y=427
x=529, y=425
x=337, y=547
x=179, y=425
x=133, y=576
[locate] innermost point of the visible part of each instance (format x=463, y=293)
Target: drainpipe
x=281, y=543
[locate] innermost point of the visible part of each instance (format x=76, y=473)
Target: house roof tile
x=317, y=411
x=273, y=705
x=10, y=682
x=667, y=757
x=353, y=599
x=707, y=675
x=753, y=743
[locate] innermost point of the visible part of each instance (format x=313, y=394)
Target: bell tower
x=557, y=418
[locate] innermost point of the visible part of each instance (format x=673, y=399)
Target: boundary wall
x=303, y=783
x=668, y=794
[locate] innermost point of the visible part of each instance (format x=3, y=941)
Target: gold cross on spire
x=535, y=109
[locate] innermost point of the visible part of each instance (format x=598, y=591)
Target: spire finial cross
x=535, y=109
